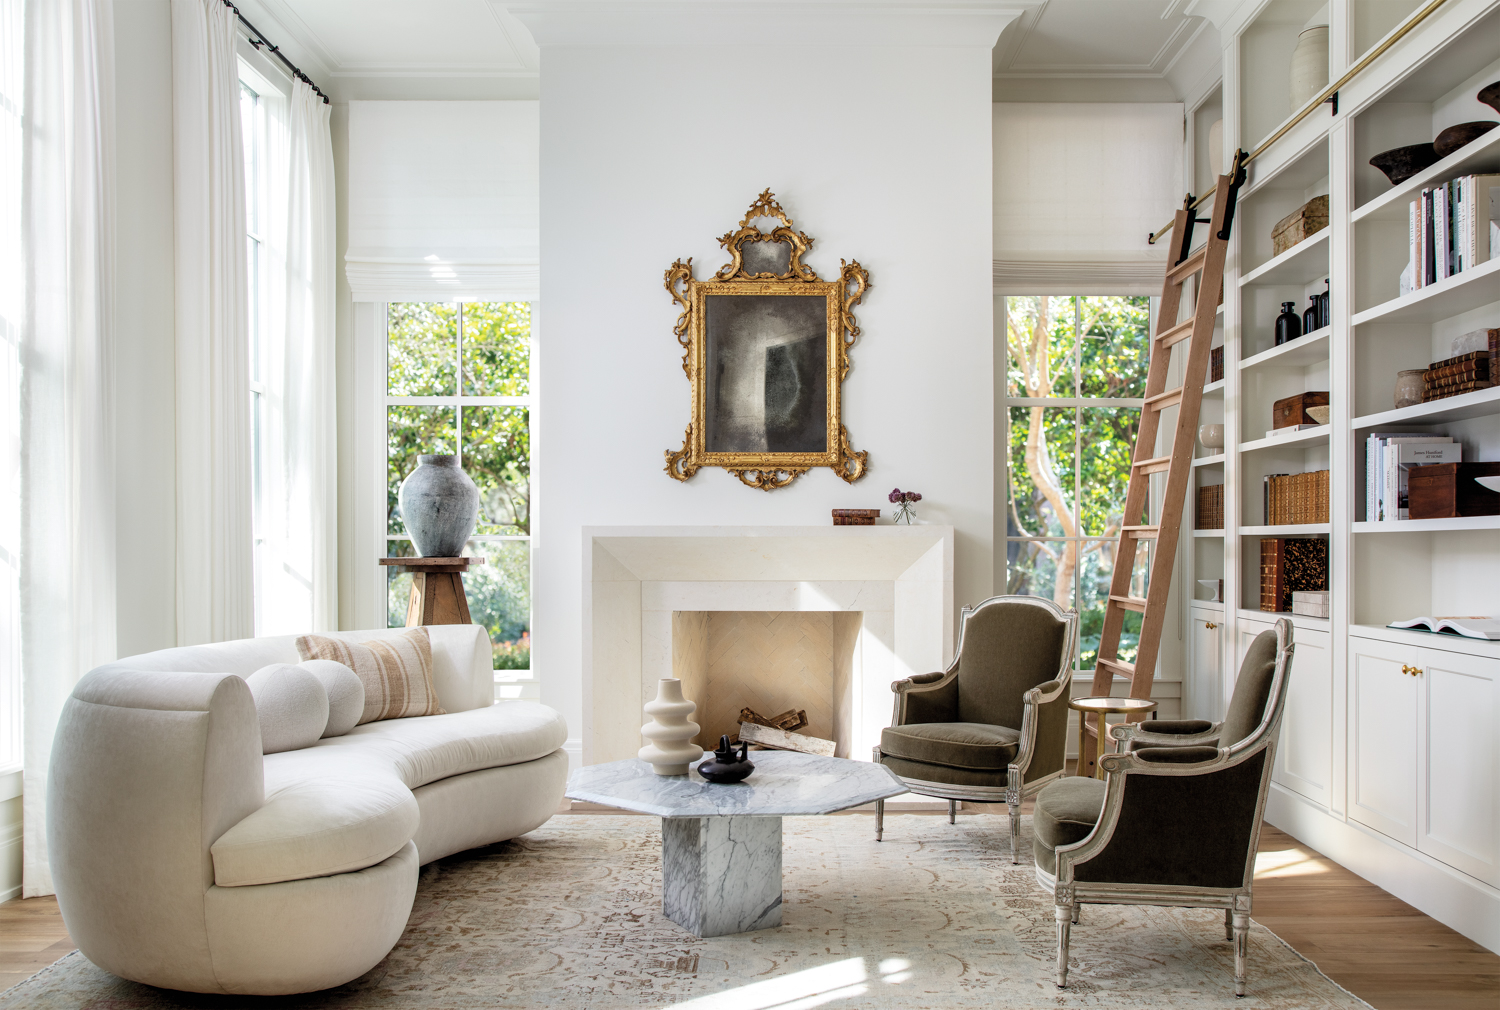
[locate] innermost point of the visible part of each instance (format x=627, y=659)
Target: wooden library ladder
x=1207, y=264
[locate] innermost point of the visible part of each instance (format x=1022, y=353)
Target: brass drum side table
x=1102, y=707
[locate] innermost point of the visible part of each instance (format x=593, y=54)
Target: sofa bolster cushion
x=425, y=749
x=315, y=827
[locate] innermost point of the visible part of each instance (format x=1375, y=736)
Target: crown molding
x=651, y=23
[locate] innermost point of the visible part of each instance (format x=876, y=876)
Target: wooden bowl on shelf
x=1401, y=163
x=1461, y=135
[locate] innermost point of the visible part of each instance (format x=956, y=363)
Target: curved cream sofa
x=185, y=859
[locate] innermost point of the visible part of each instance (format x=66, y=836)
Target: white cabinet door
x=1206, y=654
x=1304, y=755
x=1458, y=817
x=1383, y=738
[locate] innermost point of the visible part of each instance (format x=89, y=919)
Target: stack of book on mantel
x=1478, y=368
x=1292, y=499
x=1451, y=228
x=1210, y=511
x=855, y=517
x=1312, y=604
x=1290, y=566
x=1389, y=457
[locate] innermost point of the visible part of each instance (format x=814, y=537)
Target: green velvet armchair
x=993, y=727
x=1177, y=819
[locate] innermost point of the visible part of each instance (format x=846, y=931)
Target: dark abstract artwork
x=767, y=373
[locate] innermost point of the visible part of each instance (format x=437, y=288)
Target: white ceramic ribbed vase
x=1309, y=65
x=670, y=730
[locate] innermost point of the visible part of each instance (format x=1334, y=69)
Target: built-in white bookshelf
x=1439, y=842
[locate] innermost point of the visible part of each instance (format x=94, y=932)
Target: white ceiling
x=378, y=48
x=1096, y=38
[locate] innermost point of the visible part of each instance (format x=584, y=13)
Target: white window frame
x=369, y=577
x=1086, y=402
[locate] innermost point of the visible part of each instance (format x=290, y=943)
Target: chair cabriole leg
x=879, y=819
x=1064, y=915
x=1229, y=924
x=952, y=811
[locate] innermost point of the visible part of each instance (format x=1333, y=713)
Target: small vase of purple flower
x=906, y=499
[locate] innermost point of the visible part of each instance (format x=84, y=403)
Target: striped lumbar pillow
x=396, y=671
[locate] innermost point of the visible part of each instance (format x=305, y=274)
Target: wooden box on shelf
x=1448, y=491
x=1293, y=409
x=1304, y=222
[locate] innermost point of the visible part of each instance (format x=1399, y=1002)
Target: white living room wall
x=879, y=148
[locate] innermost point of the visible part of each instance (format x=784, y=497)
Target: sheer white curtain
x=67, y=519
x=215, y=577
x=298, y=568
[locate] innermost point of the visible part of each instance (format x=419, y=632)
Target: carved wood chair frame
x=766, y=470
x=1016, y=789
x=1068, y=893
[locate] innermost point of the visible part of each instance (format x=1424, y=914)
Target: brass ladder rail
x=1159, y=539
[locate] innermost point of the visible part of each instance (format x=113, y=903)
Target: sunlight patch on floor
x=1286, y=863
x=803, y=990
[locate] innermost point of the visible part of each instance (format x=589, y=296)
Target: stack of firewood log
x=779, y=732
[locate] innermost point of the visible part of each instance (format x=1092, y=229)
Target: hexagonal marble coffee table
x=721, y=844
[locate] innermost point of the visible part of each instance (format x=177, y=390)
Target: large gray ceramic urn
x=440, y=505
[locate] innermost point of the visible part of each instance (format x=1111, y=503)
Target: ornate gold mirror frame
x=766, y=348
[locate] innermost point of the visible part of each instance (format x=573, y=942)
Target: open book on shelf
x=1469, y=627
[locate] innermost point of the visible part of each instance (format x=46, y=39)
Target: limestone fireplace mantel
x=900, y=578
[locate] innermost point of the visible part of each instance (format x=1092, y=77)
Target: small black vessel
x=725, y=767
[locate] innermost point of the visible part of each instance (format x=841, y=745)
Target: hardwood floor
x=1379, y=948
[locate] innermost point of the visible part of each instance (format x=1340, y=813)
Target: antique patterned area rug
x=935, y=916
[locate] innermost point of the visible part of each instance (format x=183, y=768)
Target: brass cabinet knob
x=1405, y=668
x=1210, y=625
x=1413, y=670
x=1416, y=671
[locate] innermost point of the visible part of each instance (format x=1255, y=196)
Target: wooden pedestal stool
x=437, y=589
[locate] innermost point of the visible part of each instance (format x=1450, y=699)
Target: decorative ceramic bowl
x=1212, y=586
x=1320, y=414
x=1455, y=137
x=1493, y=483
x=1401, y=163
x=1211, y=435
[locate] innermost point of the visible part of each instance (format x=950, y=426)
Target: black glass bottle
x=1288, y=324
x=1311, y=316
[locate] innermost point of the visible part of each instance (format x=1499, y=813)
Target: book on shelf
x=1469, y=627
x=1475, y=364
x=1291, y=565
x=1296, y=499
x=1209, y=514
x=1451, y=227
x=1385, y=480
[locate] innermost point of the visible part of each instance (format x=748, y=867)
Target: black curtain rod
x=257, y=40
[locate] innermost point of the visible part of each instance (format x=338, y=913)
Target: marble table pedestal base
x=721, y=874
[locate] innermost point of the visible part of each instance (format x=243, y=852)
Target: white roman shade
x=443, y=201
x=1078, y=187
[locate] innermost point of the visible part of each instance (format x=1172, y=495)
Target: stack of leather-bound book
x=1463, y=373
x=855, y=517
